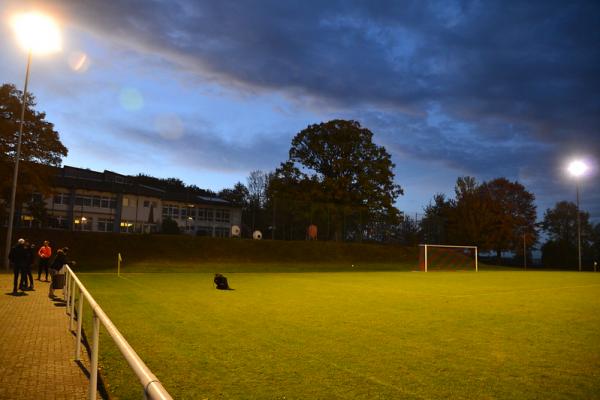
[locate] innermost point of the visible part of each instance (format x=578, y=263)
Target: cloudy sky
x=209, y=90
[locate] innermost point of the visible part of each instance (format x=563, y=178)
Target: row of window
x=86, y=201
x=168, y=211
x=192, y=213
x=86, y=224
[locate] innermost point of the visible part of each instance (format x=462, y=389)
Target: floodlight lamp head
x=577, y=168
x=37, y=33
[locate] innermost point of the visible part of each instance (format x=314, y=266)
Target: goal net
x=437, y=257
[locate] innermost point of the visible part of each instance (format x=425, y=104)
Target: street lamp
x=36, y=33
x=577, y=169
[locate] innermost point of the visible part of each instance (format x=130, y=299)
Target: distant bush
x=169, y=227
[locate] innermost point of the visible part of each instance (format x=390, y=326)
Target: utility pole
x=524, y=251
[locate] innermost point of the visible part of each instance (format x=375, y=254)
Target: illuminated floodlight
x=37, y=32
x=577, y=168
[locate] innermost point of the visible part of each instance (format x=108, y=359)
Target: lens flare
x=131, y=99
x=79, y=61
x=37, y=32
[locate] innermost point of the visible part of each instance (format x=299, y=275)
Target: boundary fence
x=152, y=387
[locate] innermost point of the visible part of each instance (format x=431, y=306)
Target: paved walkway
x=37, y=351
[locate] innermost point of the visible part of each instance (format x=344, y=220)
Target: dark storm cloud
x=527, y=63
x=517, y=83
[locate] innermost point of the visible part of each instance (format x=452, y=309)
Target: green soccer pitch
x=356, y=335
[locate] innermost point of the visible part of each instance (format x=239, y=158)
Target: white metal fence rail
x=153, y=389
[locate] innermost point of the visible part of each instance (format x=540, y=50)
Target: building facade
x=85, y=200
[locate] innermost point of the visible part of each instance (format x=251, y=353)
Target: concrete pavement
x=37, y=350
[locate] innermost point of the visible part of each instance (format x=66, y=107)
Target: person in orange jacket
x=45, y=252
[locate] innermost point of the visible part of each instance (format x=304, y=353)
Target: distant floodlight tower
x=36, y=33
x=578, y=169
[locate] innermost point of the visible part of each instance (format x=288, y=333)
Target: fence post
x=79, y=321
x=94, y=360
x=66, y=291
x=72, y=305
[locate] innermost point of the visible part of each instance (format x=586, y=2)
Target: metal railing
x=153, y=389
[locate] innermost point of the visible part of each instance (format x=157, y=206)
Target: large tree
x=237, y=195
x=494, y=215
x=513, y=215
x=560, y=224
x=41, y=148
x=258, y=182
x=336, y=165
x=434, y=225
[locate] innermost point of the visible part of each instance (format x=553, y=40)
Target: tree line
x=337, y=180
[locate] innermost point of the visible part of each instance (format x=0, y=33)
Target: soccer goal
x=439, y=257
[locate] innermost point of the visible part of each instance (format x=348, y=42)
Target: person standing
x=45, y=252
x=31, y=253
x=57, y=270
x=18, y=257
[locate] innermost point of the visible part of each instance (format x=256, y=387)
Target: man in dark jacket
x=27, y=272
x=221, y=282
x=19, y=259
x=57, y=271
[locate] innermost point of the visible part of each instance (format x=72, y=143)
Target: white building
x=87, y=200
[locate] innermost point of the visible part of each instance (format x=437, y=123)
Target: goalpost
x=447, y=257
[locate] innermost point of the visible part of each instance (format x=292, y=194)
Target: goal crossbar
x=449, y=246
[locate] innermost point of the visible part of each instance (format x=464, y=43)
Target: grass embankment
x=182, y=253
x=382, y=335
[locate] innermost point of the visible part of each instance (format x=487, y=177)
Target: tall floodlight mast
x=578, y=169
x=36, y=33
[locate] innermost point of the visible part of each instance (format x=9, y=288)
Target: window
x=61, y=198
x=125, y=201
x=96, y=201
x=83, y=224
x=83, y=201
x=108, y=202
x=127, y=227
x=205, y=214
x=222, y=215
x=148, y=203
x=106, y=224
x=170, y=211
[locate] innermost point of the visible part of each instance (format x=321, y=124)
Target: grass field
x=357, y=335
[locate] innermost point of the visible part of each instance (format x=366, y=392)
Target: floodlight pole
x=524, y=251
x=13, y=193
x=578, y=228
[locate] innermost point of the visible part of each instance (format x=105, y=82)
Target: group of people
x=24, y=256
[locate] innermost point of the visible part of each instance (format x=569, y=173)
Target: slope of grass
x=96, y=251
x=360, y=335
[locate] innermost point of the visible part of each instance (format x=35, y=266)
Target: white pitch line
x=132, y=281
x=523, y=291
